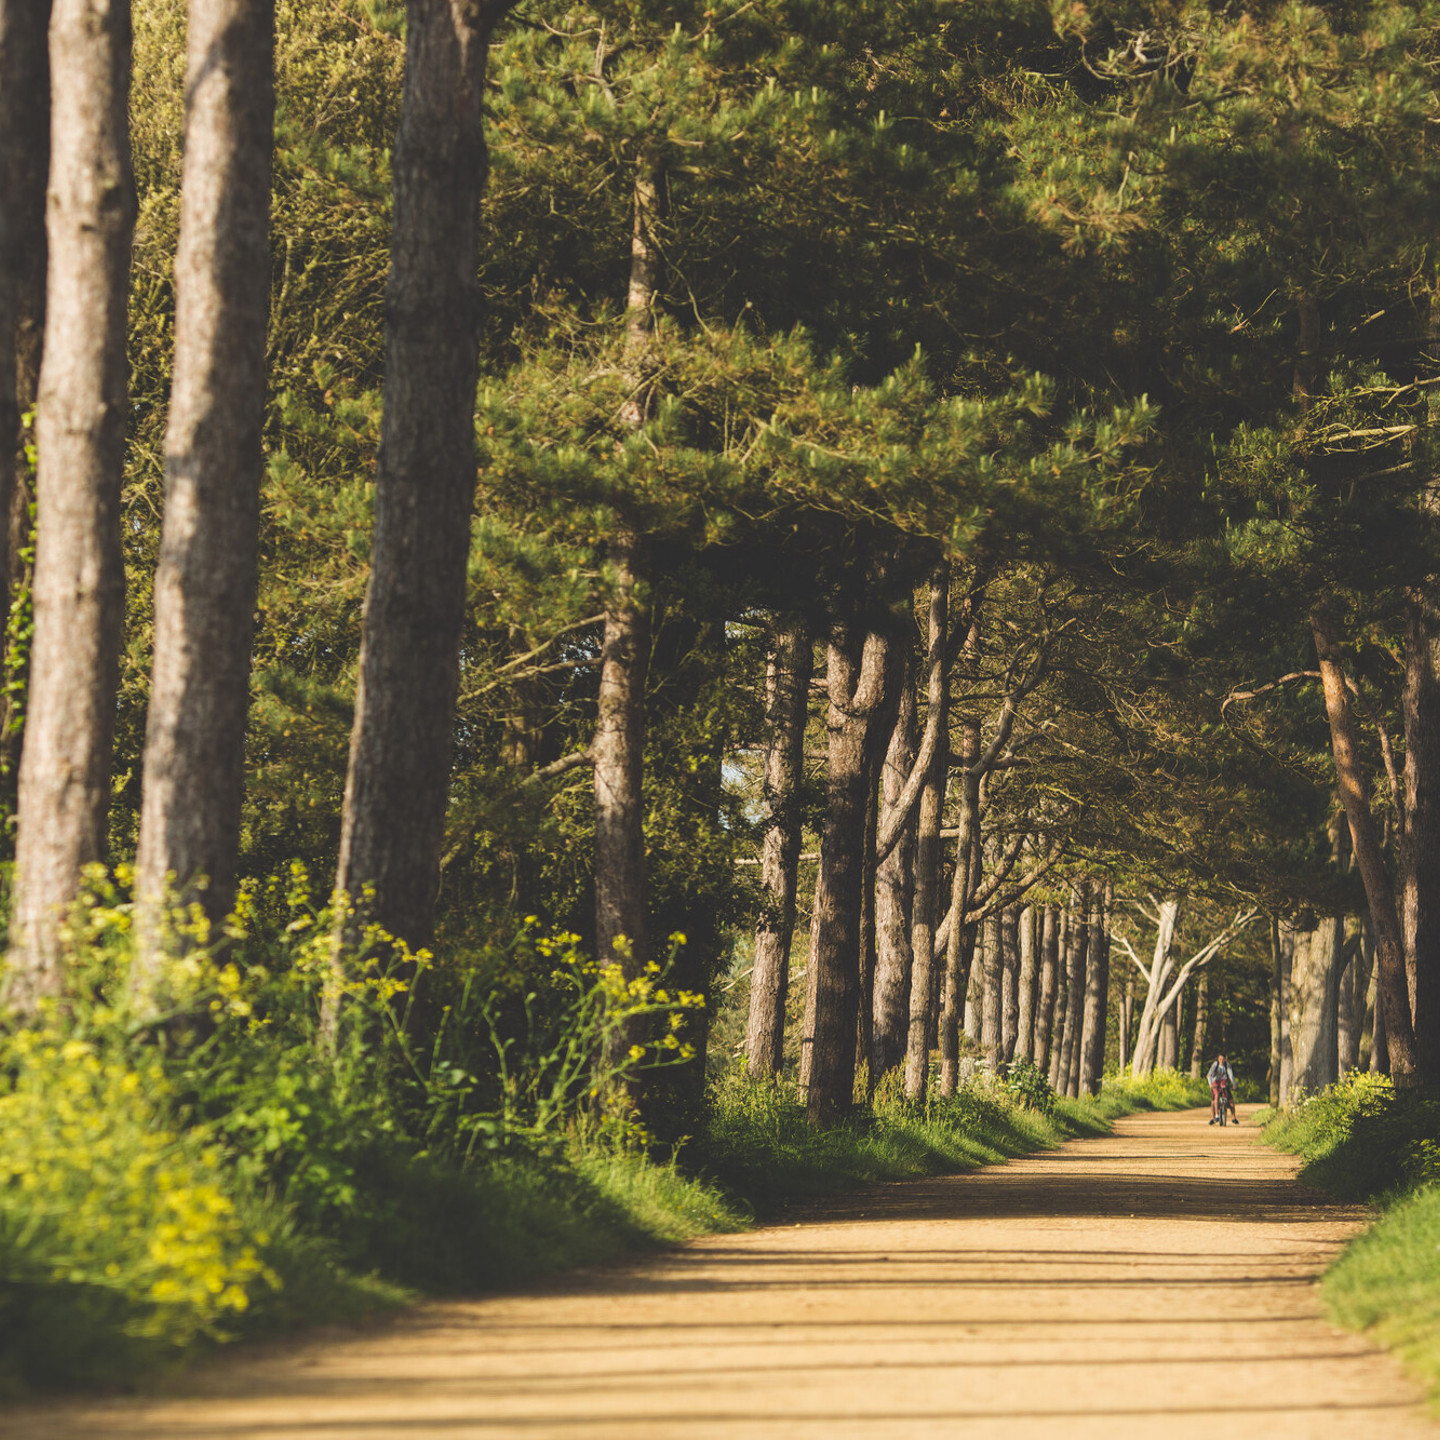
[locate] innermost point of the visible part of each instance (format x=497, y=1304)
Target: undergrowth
x=193, y=1156
x=1364, y=1141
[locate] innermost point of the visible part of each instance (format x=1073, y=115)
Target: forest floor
x=1160, y=1281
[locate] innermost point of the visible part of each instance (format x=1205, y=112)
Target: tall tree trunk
x=1277, y=999
x=959, y=954
x=855, y=679
x=619, y=753
x=1055, y=1031
x=1347, y=1017
x=24, y=170
x=393, y=821
x=79, y=589
x=894, y=897
x=1287, y=1057
x=621, y=900
x=975, y=996
x=1010, y=982
x=1197, y=1040
x=1075, y=991
x=1127, y=1020
x=1097, y=992
x=205, y=582
x=786, y=712
x=1420, y=837
x=1029, y=956
x=992, y=969
x=1167, y=1053
x=1354, y=794
x=1314, y=995
x=925, y=913
x=1379, y=1058
x=865, y=1001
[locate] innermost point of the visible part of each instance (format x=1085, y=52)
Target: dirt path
x=1158, y=1283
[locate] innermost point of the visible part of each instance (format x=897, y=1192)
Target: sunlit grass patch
x=1363, y=1140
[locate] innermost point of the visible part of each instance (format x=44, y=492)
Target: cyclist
x=1222, y=1091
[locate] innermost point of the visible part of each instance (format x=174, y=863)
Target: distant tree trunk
x=1314, y=995
x=1378, y=1061
x=865, y=1001
x=1127, y=1021
x=79, y=591
x=1055, y=1029
x=1354, y=793
x=1197, y=1040
x=1277, y=1004
x=1029, y=970
x=786, y=712
x=24, y=169
x=925, y=913
x=992, y=1032
x=1348, y=1016
x=1075, y=991
x=393, y=821
x=855, y=678
x=958, y=954
x=1420, y=836
x=1010, y=985
x=1097, y=992
x=1287, y=1058
x=894, y=896
x=1167, y=1054
x=975, y=996
x=194, y=776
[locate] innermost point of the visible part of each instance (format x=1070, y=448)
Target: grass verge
x=1361, y=1141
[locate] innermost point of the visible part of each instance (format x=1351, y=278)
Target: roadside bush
x=1361, y=1138
x=1159, y=1090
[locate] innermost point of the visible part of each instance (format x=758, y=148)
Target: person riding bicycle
x=1222, y=1091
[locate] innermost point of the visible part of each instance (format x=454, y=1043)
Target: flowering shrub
x=114, y=1223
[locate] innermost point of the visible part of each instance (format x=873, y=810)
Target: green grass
x=1361, y=1141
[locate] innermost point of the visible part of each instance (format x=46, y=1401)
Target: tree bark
x=1029, y=955
x=787, y=710
x=1055, y=1029
x=1167, y=1050
x=1354, y=794
x=79, y=592
x=1420, y=836
x=1276, y=1005
x=1347, y=1017
x=1010, y=984
x=992, y=970
x=894, y=897
x=1314, y=997
x=619, y=749
x=1379, y=1059
x=393, y=821
x=1097, y=992
x=925, y=912
x=621, y=900
x=1127, y=1021
x=1197, y=1040
x=1076, y=963
x=855, y=680
x=1287, y=1058
x=959, y=954
x=194, y=775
